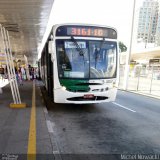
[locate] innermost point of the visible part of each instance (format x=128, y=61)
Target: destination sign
x=86, y=31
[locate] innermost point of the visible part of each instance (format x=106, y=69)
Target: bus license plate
x=88, y=96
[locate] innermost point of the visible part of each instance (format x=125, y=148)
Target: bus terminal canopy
x=141, y=54
x=146, y=54
x=26, y=21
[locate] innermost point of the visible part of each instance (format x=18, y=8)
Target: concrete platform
x=15, y=124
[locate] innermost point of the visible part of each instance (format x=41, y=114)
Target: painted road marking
x=123, y=107
x=51, y=130
x=49, y=126
x=56, y=152
x=32, y=130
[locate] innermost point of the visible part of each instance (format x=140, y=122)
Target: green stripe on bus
x=75, y=85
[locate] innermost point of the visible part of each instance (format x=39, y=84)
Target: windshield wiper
x=98, y=52
x=101, y=44
x=79, y=49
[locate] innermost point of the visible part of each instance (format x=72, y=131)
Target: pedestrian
x=32, y=73
x=20, y=78
x=2, y=73
x=23, y=72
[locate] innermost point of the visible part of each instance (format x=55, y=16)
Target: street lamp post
x=127, y=66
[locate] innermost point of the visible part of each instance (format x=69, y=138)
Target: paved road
x=130, y=125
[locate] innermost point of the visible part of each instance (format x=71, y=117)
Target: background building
x=158, y=31
x=147, y=22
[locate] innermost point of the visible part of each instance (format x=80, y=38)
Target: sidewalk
x=142, y=86
x=15, y=123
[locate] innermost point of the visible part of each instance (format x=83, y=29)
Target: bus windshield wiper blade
x=79, y=49
x=101, y=44
x=98, y=52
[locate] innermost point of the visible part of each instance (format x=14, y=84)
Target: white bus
x=79, y=64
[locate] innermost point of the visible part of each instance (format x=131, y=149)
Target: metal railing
x=143, y=79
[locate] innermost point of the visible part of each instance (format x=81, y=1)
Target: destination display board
x=86, y=31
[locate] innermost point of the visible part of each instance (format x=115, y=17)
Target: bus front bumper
x=64, y=96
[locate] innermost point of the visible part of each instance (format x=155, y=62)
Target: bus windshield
x=86, y=59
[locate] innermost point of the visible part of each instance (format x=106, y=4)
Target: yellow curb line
x=31, y=154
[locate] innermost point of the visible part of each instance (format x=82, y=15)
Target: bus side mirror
x=51, y=49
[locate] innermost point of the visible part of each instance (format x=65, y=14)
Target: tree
x=122, y=47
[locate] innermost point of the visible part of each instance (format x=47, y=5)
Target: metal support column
x=11, y=70
x=27, y=69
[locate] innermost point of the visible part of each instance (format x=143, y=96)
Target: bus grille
x=96, y=98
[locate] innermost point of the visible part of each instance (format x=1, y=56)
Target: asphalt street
x=130, y=125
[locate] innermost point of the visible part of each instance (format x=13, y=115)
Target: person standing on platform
x=32, y=73
x=20, y=77
x=23, y=72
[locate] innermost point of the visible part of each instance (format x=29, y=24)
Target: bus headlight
x=63, y=88
x=106, y=88
x=101, y=89
x=114, y=85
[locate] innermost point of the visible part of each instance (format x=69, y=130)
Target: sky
x=113, y=13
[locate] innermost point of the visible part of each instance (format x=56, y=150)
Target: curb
x=143, y=94
x=51, y=128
